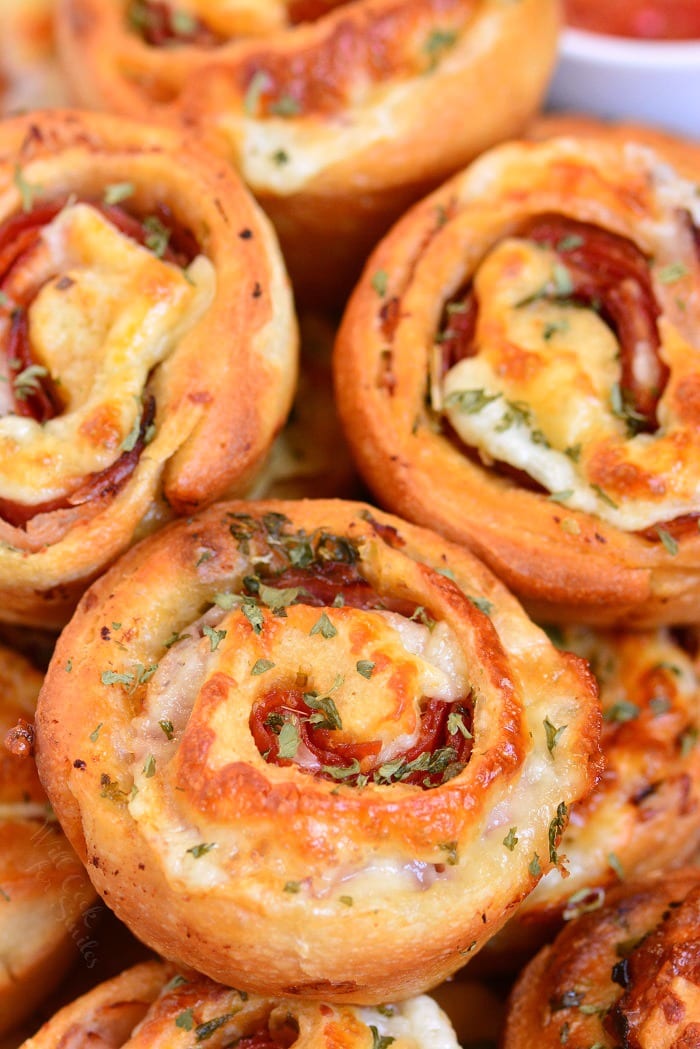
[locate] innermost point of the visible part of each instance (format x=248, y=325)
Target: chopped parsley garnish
x=380, y=282
x=292, y=886
x=201, y=850
x=149, y=768
x=204, y=1031
x=450, y=848
x=261, y=666
x=26, y=189
x=614, y=863
x=288, y=740
x=257, y=85
x=380, y=1041
x=324, y=627
x=672, y=272
x=285, y=106
x=26, y=383
x=534, y=866
x=556, y=829
x=116, y=192
x=157, y=235
x=365, y=668
x=439, y=41
x=95, y=732
x=470, y=401
x=669, y=543
x=111, y=677
x=215, y=636
x=553, y=734
x=511, y=839
x=621, y=711
x=254, y=616
x=167, y=727
x=185, y=1020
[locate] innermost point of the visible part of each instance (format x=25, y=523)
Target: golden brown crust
x=325, y=119
x=157, y=1004
x=47, y=900
x=625, y=974
x=598, y=532
x=182, y=375
x=258, y=872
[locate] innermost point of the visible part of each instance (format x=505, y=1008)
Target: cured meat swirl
x=312, y=708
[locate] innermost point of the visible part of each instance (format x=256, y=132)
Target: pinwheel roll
x=48, y=904
x=322, y=106
x=147, y=346
x=156, y=1004
x=295, y=733
x=624, y=975
x=650, y=692
x=520, y=368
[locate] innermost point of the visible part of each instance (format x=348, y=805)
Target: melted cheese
x=108, y=312
x=418, y=1022
x=540, y=395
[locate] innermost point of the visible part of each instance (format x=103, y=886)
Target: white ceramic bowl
x=614, y=77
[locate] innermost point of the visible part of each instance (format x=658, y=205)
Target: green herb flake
x=470, y=401
x=261, y=666
x=201, y=850
x=481, y=603
x=215, y=636
x=26, y=189
x=621, y=711
x=438, y=42
x=157, y=235
x=280, y=156
x=569, y=242
x=285, y=106
x=149, y=769
x=616, y=866
x=292, y=886
x=259, y=82
x=68, y=666
x=511, y=839
x=669, y=543
x=95, y=732
x=563, y=284
x=288, y=741
x=672, y=272
x=688, y=741
x=341, y=772
x=206, y=555
x=116, y=192
x=534, y=866
x=660, y=705
x=167, y=727
x=365, y=667
x=380, y=1041
x=347, y=901
x=455, y=723
x=324, y=627
x=185, y=1020
x=27, y=382
x=380, y=282
x=556, y=829
x=561, y=497
x=226, y=601
x=177, y=981
x=183, y=23
x=204, y=1031
x=111, y=677
x=450, y=848
x=603, y=496
x=254, y=616
x=553, y=734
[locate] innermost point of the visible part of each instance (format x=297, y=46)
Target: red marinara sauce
x=641, y=19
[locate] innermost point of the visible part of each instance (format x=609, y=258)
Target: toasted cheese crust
x=518, y=368
x=311, y=741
